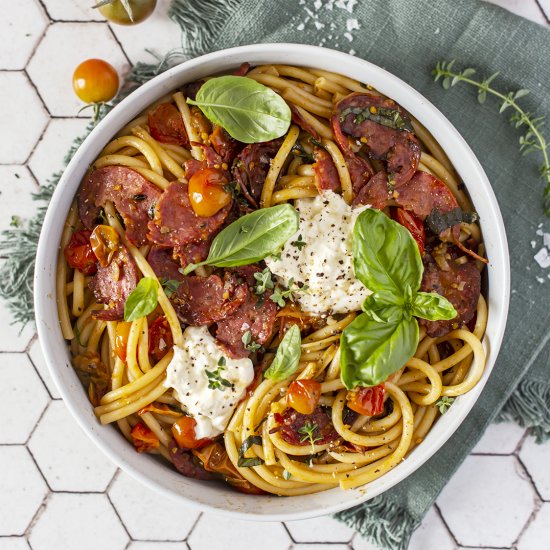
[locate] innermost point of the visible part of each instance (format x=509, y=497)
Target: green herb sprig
x=216, y=381
x=531, y=141
x=307, y=431
x=249, y=344
x=245, y=462
x=264, y=281
x=444, y=403
x=280, y=295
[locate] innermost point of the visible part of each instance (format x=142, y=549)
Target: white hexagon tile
x=60, y=492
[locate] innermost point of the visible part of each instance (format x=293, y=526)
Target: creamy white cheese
x=186, y=374
x=324, y=263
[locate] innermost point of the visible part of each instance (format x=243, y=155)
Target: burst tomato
x=367, y=401
x=303, y=395
x=104, y=240
x=95, y=81
x=79, y=253
x=414, y=225
x=144, y=439
x=160, y=338
x=121, y=338
x=207, y=193
x=183, y=431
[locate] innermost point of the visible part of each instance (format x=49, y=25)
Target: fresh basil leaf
x=143, y=299
x=252, y=237
x=438, y=220
x=244, y=462
x=433, y=306
x=249, y=111
x=287, y=357
x=382, y=312
x=372, y=351
x=385, y=255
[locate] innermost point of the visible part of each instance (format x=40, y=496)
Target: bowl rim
x=287, y=53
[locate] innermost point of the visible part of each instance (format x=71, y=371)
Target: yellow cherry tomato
x=95, y=81
x=116, y=13
x=207, y=192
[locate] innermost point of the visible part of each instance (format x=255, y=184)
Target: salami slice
x=225, y=146
x=185, y=464
x=163, y=264
x=176, y=224
x=133, y=196
x=326, y=175
x=461, y=285
x=193, y=253
x=375, y=192
x=205, y=300
x=166, y=125
x=113, y=284
x=292, y=422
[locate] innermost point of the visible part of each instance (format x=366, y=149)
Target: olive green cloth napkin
x=408, y=38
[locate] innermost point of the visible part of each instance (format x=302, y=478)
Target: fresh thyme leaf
x=264, y=281
x=249, y=344
x=215, y=379
x=307, y=432
x=444, y=403
x=299, y=243
x=170, y=286
x=245, y=462
x=15, y=221
x=280, y=294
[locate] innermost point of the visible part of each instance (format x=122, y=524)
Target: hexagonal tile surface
x=21, y=28
x=134, y=501
x=14, y=543
x=212, y=533
x=500, y=439
x=328, y=546
x=37, y=358
x=16, y=186
x=481, y=509
x=143, y=545
x=432, y=533
x=54, y=80
x=66, y=456
x=78, y=521
x=536, y=459
x=323, y=529
x=21, y=492
x=60, y=10
x=158, y=33
x=537, y=535
x=23, y=398
x=19, y=106
x=50, y=151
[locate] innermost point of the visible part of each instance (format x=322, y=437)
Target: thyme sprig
x=532, y=140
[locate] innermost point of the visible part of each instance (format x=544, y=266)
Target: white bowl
x=156, y=473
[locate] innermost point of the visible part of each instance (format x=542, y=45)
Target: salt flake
x=352, y=24
x=300, y=27
x=546, y=239
x=539, y=232
x=543, y=258
x=540, y=280
x=348, y=36
x=533, y=244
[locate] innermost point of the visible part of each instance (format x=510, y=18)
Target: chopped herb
x=264, y=281
x=438, y=221
x=391, y=118
x=170, y=286
x=77, y=335
x=249, y=344
x=151, y=211
x=139, y=197
x=245, y=462
x=280, y=294
x=215, y=379
x=287, y=475
x=299, y=243
x=299, y=151
x=444, y=403
x=103, y=217
x=277, y=256
x=307, y=432
x=15, y=221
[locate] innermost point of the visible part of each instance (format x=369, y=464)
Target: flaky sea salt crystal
x=546, y=239
x=318, y=25
x=543, y=258
x=540, y=280
x=539, y=232
x=300, y=27
x=318, y=4
x=533, y=244
x=346, y=5
x=352, y=24
x=352, y=52
x=348, y=36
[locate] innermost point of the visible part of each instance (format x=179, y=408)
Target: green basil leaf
x=252, y=237
x=433, y=306
x=287, y=357
x=379, y=310
x=244, y=462
x=248, y=110
x=372, y=351
x=385, y=255
x=143, y=299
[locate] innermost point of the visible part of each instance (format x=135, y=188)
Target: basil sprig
x=385, y=336
x=245, y=462
x=287, y=357
x=249, y=111
x=252, y=237
x=143, y=299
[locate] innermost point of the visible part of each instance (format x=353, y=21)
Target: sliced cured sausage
x=166, y=125
x=292, y=422
x=224, y=145
x=205, y=300
x=163, y=264
x=185, y=463
x=133, y=196
x=113, y=284
x=375, y=192
x=326, y=175
x=193, y=253
x=176, y=224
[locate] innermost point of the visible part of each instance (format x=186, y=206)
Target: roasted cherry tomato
x=95, y=81
x=160, y=338
x=367, y=401
x=414, y=225
x=121, y=338
x=144, y=439
x=183, y=431
x=104, y=240
x=207, y=193
x=303, y=395
x=79, y=253
x=116, y=12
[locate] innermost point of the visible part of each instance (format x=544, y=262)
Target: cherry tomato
x=116, y=13
x=95, y=81
x=121, y=338
x=414, y=225
x=144, y=439
x=303, y=395
x=79, y=253
x=104, y=240
x=183, y=431
x=207, y=193
x=367, y=401
x=160, y=338
x=166, y=125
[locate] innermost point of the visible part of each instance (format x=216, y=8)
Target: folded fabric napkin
x=407, y=38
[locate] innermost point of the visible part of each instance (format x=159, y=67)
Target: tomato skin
x=367, y=401
x=95, y=81
x=303, y=395
x=183, y=431
x=144, y=439
x=121, y=339
x=414, y=225
x=104, y=240
x=160, y=338
x=115, y=12
x=207, y=193
x=79, y=253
